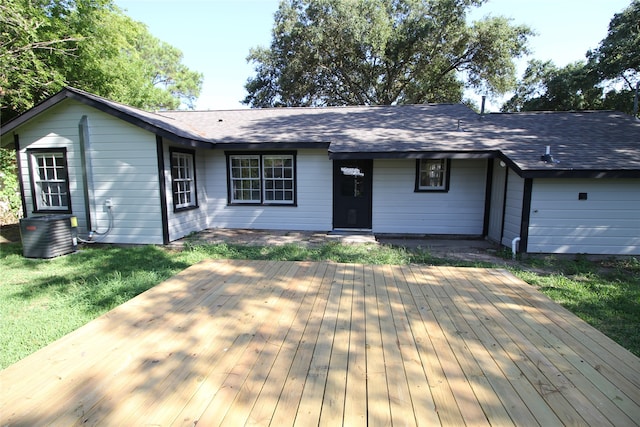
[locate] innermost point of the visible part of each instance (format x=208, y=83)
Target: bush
x=10, y=203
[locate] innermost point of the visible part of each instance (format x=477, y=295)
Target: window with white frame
x=50, y=180
x=432, y=175
x=262, y=178
x=183, y=177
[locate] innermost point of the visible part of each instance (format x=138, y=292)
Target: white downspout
x=514, y=245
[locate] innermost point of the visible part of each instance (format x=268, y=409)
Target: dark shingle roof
x=348, y=129
x=589, y=140
x=579, y=141
x=594, y=143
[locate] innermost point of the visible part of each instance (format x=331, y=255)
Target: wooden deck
x=299, y=343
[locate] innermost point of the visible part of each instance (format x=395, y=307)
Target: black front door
x=352, y=193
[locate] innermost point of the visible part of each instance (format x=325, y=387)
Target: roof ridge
x=498, y=113
x=337, y=107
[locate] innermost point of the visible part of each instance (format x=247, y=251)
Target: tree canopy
x=544, y=86
x=91, y=45
x=605, y=80
x=368, y=52
x=618, y=56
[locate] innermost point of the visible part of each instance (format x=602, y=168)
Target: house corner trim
x=23, y=199
x=163, y=190
x=526, y=215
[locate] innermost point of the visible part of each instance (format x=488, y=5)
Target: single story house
x=552, y=182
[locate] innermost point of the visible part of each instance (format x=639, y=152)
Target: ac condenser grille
x=48, y=236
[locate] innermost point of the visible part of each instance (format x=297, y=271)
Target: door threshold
x=351, y=231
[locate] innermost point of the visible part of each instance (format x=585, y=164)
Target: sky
x=216, y=36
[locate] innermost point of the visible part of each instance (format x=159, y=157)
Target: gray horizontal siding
x=397, y=208
x=124, y=170
x=314, y=196
x=54, y=129
x=607, y=223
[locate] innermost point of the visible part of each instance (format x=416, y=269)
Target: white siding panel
x=314, y=192
x=607, y=223
x=123, y=174
x=54, y=129
x=397, y=208
x=125, y=170
x=513, y=208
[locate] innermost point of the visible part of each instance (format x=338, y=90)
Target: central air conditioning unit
x=49, y=236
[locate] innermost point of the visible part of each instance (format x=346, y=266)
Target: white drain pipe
x=514, y=244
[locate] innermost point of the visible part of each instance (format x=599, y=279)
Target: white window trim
x=233, y=180
x=183, y=171
x=261, y=179
x=264, y=179
x=445, y=167
x=61, y=177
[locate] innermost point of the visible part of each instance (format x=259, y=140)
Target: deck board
x=304, y=343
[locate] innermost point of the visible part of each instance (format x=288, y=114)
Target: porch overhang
x=367, y=155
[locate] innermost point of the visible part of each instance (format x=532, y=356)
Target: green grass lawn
x=42, y=300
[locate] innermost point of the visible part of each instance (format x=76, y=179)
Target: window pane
x=51, y=189
x=183, y=173
x=245, y=179
x=432, y=174
x=278, y=178
x=261, y=178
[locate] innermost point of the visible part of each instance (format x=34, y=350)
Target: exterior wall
x=498, y=181
x=193, y=220
x=124, y=169
x=57, y=128
x=513, y=208
x=397, y=208
x=608, y=222
x=314, y=197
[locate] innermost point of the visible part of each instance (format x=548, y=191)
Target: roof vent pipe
x=484, y=99
x=547, y=157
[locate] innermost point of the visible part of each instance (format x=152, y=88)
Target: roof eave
x=270, y=145
x=68, y=93
x=580, y=173
x=33, y=112
x=473, y=154
x=136, y=121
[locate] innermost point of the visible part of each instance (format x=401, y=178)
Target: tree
x=342, y=52
x=618, y=55
x=547, y=87
x=88, y=44
x=91, y=45
x=605, y=81
x=24, y=77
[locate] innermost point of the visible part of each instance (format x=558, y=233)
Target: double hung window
x=267, y=179
x=183, y=177
x=50, y=180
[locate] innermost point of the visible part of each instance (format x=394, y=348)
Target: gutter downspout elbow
x=514, y=245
